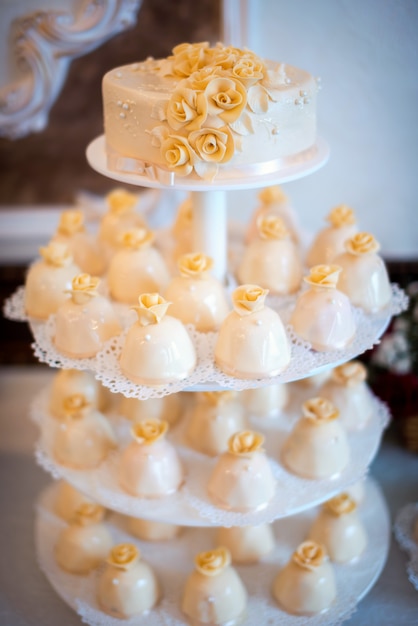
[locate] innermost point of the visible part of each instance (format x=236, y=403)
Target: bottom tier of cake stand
x=173, y=561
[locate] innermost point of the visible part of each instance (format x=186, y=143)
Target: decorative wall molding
x=43, y=44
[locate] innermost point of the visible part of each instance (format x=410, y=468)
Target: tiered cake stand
x=294, y=505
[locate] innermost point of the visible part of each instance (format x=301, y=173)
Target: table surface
x=26, y=598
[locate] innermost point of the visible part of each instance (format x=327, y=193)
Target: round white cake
x=207, y=111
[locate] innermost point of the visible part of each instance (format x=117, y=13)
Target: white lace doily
x=191, y=505
x=173, y=561
x=14, y=308
x=304, y=362
x=403, y=529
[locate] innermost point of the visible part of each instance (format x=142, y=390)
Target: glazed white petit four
x=120, y=217
x=67, y=500
x=339, y=528
x=48, y=280
x=306, y=584
x=347, y=389
x=69, y=382
x=272, y=260
x=137, y=267
x=85, y=321
x=84, y=247
x=266, y=402
x=214, y=593
x=149, y=466
x=242, y=479
x=247, y=544
x=215, y=417
x=82, y=546
x=356, y=491
x=252, y=341
x=317, y=446
x=157, y=348
x=197, y=297
x=329, y=242
x=127, y=585
x=322, y=314
x=364, y=277
x=85, y=437
x=150, y=530
x=274, y=201
x=167, y=408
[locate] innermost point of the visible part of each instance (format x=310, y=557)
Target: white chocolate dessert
x=85, y=321
x=252, y=340
x=242, y=479
x=67, y=500
x=339, y=529
x=266, y=402
x=157, y=349
x=347, y=389
x=150, y=467
x=214, y=593
x=84, y=438
x=364, y=277
x=168, y=408
x=197, y=297
x=121, y=216
x=48, y=280
x=317, y=446
x=82, y=546
x=85, y=248
x=150, y=530
x=329, y=242
x=247, y=544
x=215, y=417
x=206, y=110
x=69, y=382
x=322, y=314
x=306, y=584
x=356, y=491
x=272, y=259
x=137, y=267
x=127, y=585
x=273, y=201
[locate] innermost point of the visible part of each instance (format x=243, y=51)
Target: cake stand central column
x=210, y=228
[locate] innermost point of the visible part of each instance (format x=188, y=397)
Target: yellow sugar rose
x=212, y=563
x=124, y=556
x=189, y=58
x=56, y=254
x=341, y=215
x=272, y=227
x=187, y=109
x=85, y=284
x=340, y=505
x=178, y=154
x=319, y=410
x=309, y=555
x=248, y=71
x=362, y=243
x=76, y=405
x=323, y=276
x=350, y=374
x=89, y=513
x=194, y=264
x=245, y=443
x=149, y=431
x=151, y=308
x=213, y=145
x=272, y=195
x=226, y=98
x=71, y=222
x=248, y=299
x=121, y=201
x=137, y=238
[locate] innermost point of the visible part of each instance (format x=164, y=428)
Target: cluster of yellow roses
x=206, y=105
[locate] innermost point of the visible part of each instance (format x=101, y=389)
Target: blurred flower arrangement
x=393, y=369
